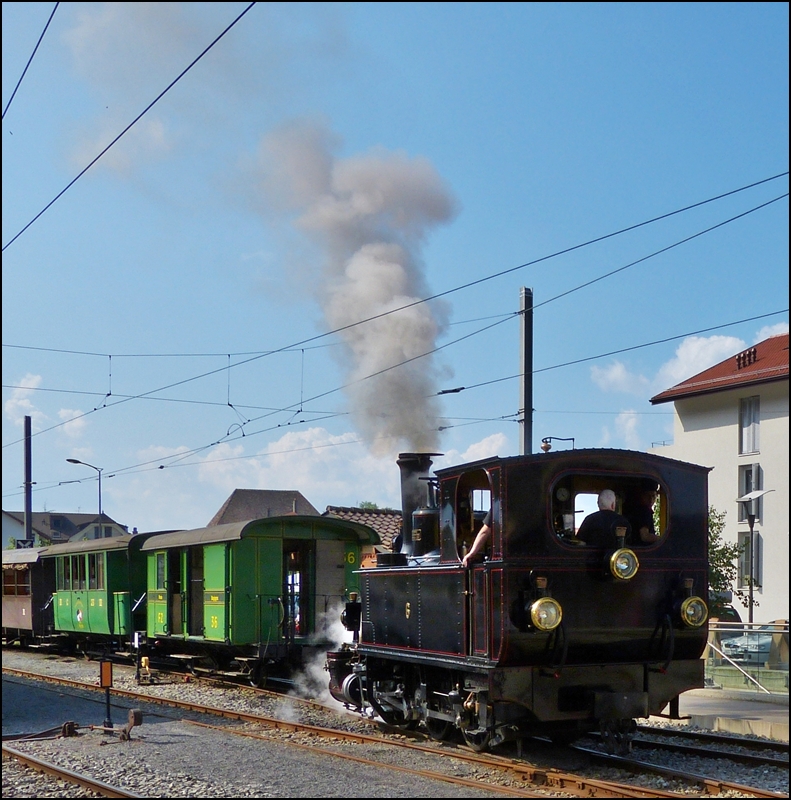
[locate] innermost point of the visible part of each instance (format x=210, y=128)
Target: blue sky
x=187, y=316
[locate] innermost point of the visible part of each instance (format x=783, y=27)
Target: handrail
x=731, y=661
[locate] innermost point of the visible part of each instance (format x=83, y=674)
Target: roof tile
x=764, y=362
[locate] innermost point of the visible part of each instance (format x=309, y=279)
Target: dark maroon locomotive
x=546, y=635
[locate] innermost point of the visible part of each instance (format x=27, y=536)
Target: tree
x=367, y=505
x=723, y=565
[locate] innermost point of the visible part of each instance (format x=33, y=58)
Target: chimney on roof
x=746, y=358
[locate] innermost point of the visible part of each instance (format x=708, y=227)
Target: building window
x=749, y=417
x=744, y=560
x=750, y=479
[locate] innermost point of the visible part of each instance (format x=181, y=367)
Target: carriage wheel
x=257, y=676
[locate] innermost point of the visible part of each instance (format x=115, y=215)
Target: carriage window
x=78, y=572
x=160, y=570
x=96, y=570
x=100, y=571
x=642, y=501
x=66, y=573
x=16, y=581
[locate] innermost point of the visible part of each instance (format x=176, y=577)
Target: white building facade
x=733, y=417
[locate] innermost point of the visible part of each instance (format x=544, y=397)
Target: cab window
x=643, y=501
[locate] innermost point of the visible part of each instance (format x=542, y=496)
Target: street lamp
x=85, y=464
x=545, y=442
x=750, y=498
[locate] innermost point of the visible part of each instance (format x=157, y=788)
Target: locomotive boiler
x=547, y=635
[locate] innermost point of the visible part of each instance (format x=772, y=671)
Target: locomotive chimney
x=414, y=490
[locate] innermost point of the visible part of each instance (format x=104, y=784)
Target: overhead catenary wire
x=30, y=60
x=296, y=346
x=179, y=457
x=459, y=288
x=441, y=347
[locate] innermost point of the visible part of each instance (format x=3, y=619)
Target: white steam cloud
x=369, y=215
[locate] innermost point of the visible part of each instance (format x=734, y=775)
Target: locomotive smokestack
x=414, y=491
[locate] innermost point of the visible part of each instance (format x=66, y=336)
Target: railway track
x=524, y=779
x=710, y=746
x=100, y=788
x=709, y=785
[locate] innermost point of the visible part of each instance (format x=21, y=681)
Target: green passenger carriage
x=99, y=586
x=243, y=596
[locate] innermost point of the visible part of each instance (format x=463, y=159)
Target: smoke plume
x=369, y=215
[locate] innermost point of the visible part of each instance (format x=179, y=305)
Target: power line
x=570, y=291
x=30, y=59
x=127, y=128
x=296, y=346
x=169, y=355
x=627, y=349
x=134, y=469
x=449, y=291
x=511, y=377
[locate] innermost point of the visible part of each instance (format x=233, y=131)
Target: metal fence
x=748, y=656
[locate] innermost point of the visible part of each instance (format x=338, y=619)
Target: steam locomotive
x=547, y=635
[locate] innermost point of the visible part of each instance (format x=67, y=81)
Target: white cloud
x=770, y=330
x=75, y=422
x=328, y=469
x=495, y=445
x=18, y=406
x=146, y=142
x=626, y=424
x=695, y=354
x=616, y=378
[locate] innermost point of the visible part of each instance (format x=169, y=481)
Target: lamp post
x=545, y=442
x=750, y=498
x=85, y=464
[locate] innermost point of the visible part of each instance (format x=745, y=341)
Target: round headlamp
x=694, y=612
x=624, y=564
x=546, y=613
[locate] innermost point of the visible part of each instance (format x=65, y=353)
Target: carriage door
x=175, y=593
x=296, y=593
x=157, y=609
x=195, y=572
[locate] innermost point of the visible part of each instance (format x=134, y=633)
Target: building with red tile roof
x=733, y=417
x=385, y=521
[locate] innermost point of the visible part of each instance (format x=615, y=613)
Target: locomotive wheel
x=439, y=729
x=477, y=740
x=392, y=717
